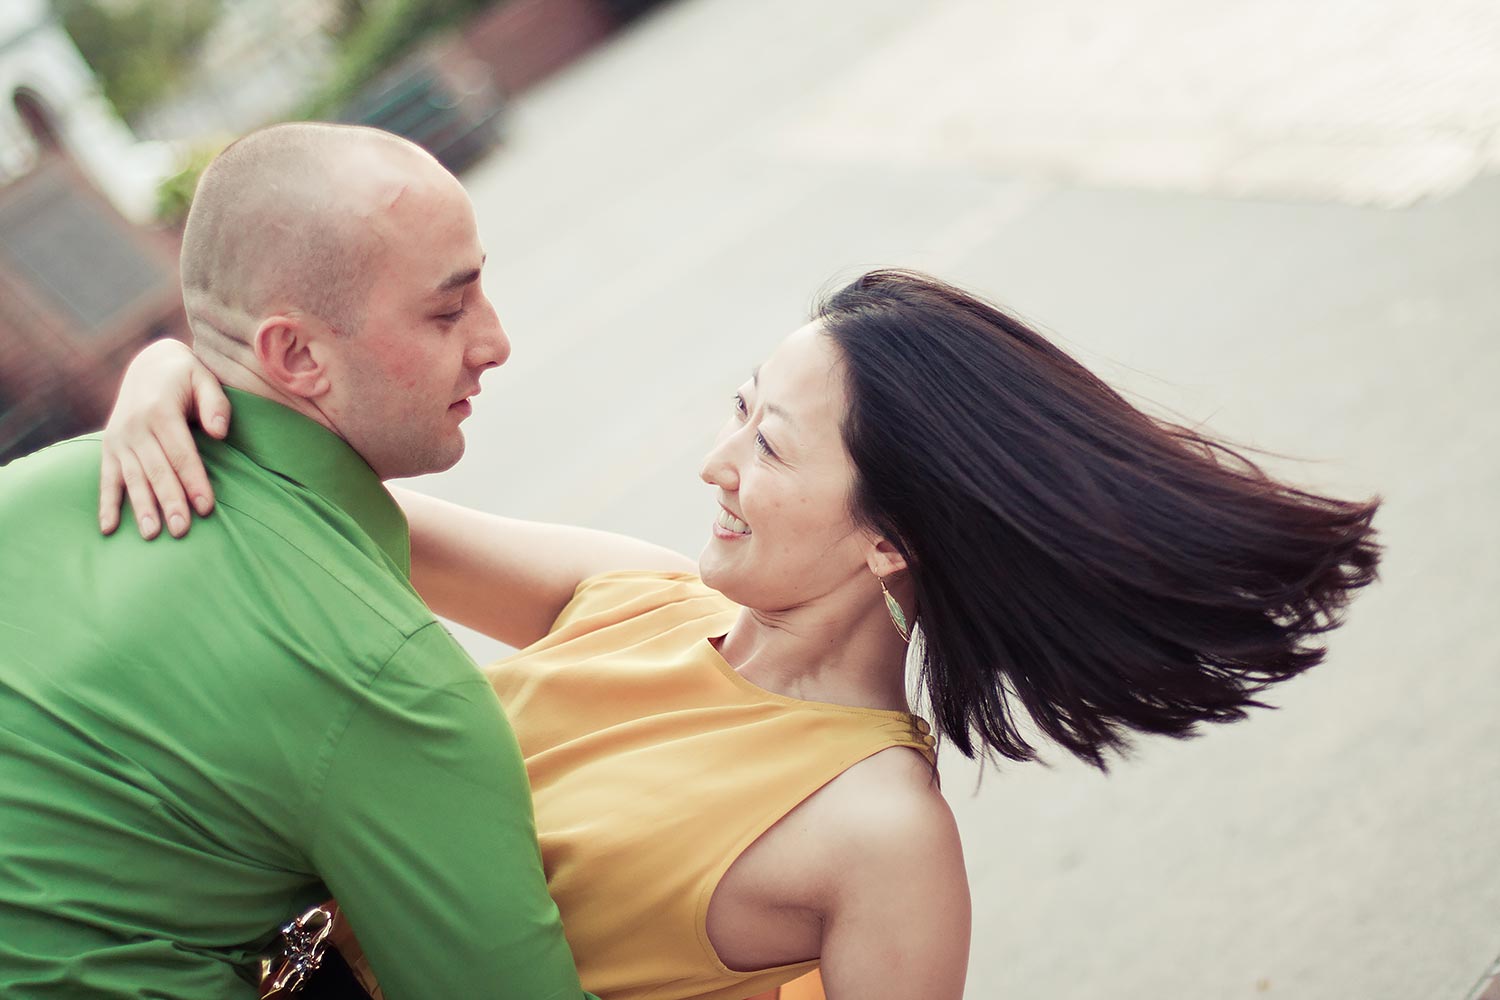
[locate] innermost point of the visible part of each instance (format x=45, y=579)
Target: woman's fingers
x=213, y=405
x=166, y=488
x=142, y=500
x=111, y=488
x=158, y=474
x=213, y=417
x=188, y=474
x=147, y=445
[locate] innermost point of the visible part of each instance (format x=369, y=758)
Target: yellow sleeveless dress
x=653, y=766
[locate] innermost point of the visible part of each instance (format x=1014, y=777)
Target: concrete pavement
x=669, y=207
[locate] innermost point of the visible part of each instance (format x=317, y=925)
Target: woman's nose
x=718, y=470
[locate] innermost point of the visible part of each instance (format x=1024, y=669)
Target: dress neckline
x=750, y=687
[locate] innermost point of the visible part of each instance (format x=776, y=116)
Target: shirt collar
x=302, y=450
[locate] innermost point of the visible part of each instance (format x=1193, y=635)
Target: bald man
x=199, y=741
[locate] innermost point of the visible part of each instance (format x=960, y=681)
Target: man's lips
x=463, y=403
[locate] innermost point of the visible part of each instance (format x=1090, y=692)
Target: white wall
x=18, y=14
x=37, y=55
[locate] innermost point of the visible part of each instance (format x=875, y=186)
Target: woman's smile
x=726, y=525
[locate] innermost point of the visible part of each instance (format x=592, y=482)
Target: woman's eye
x=739, y=405
x=454, y=316
x=762, y=447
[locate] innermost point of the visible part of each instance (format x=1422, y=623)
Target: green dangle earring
x=898, y=617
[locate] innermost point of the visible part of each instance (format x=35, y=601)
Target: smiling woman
x=730, y=786
x=784, y=479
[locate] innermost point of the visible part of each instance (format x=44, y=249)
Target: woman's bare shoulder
x=888, y=803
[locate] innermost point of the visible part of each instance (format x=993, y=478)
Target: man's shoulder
x=55, y=482
x=269, y=544
x=71, y=456
x=279, y=533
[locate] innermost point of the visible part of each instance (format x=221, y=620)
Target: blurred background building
x=55, y=105
x=113, y=107
x=82, y=283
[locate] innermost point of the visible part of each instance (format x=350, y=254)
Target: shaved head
x=336, y=270
x=290, y=220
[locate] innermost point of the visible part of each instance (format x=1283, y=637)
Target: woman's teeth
x=729, y=522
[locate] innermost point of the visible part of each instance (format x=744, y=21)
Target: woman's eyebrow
x=770, y=407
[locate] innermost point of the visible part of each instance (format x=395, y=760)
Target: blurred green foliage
x=138, y=48
x=377, y=33
x=174, y=195
x=372, y=35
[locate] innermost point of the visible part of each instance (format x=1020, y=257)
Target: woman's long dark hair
x=1110, y=571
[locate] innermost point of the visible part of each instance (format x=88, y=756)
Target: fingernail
x=219, y=424
x=148, y=526
x=177, y=525
x=201, y=505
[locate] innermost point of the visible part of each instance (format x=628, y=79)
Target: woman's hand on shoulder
x=899, y=924
x=148, y=450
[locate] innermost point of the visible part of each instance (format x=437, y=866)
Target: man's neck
x=237, y=373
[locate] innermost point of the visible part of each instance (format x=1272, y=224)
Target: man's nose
x=491, y=346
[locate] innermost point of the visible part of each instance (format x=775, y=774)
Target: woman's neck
x=845, y=657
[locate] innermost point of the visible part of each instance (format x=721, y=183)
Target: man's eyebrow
x=461, y=278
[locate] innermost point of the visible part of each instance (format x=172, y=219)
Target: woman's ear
x=293, y=355
x=883, y=559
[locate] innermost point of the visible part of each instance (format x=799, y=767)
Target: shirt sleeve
x=425, y=836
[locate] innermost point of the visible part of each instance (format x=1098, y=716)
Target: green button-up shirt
x=200, y=738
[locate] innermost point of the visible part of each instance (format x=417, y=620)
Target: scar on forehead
x=400, y=193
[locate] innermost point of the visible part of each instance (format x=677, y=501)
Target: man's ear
x=883, y=559
x=293, y=355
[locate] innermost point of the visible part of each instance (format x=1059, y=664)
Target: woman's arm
x=899, y=923
x=508, y=578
